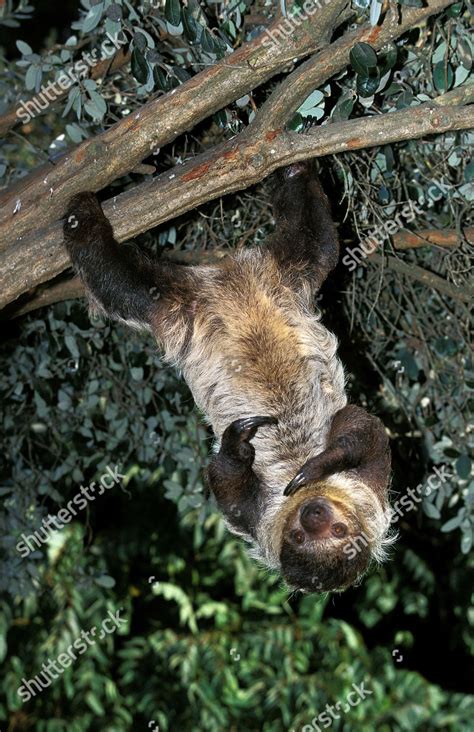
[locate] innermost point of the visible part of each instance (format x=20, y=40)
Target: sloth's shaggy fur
x=246, y=338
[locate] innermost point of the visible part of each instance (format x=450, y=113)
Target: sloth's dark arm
x=122, y=281
x=231, y=478
x=358, y=443
x=305, y=242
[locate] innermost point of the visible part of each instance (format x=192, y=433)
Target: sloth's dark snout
x=316, y=516
x=319, y=520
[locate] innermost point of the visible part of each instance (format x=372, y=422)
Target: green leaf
x=74, y=93
x=405, y=99
x=139, y=41
x=139, y=66
x=181, y=74
x=160, y=79
x=443, y=76
x=207, y=41
x=41, y=406
x=445, y=346
x=463, y=466
x=452, y=524
x=375, y=10
x=343, y=109
x=431, y=510
x=368, y=85
x=74, y=133
x=190, y=25
x=469, y=172
x=105, y=581
x=466, y=542
x=72, y=345
x=311, y=102
x=92, y=18
x=97, y=106
x=296, y=123
x=454, y=10
x=173, y=12
x=24, y=48
x=464, y=53
x=389, y=59
x=31, y=77
x=363, y=58
x=94, y=703
x=114, y=12
x=137, y=373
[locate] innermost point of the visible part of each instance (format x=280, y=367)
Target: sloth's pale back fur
x=301, y=380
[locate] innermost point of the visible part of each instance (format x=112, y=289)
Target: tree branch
x=292, y=92
x=405, y=239
x=97, y=162
x=233, y=165
x=408, y=269
x=68, y=290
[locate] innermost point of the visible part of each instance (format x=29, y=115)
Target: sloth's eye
x=339, y=530
x=297, y=536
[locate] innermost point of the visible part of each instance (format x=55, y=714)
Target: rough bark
x=427, y=237
x=31, y=250
x=232, y=166
x=98, y=161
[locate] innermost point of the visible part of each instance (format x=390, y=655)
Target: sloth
x=297, y=472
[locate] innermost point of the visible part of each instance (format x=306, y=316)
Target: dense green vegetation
x=210, y=640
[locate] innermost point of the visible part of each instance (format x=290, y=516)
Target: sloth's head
x=328, y=534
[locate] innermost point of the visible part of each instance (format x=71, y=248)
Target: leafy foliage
x=211, y=640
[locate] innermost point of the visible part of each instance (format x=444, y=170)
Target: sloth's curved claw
x=248, y=426
x=294, y=485
x=244, y=429
x=237, y=436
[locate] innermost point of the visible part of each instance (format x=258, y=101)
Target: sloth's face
x=323, y=546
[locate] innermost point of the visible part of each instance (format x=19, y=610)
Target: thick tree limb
x=67, y=290
x=293, y=90
x=98, y=161
x=232, y=166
